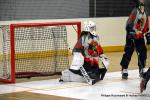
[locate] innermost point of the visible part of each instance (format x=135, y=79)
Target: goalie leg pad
x=78, y=61
x=68, y=76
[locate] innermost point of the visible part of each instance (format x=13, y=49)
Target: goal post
x=34, y=49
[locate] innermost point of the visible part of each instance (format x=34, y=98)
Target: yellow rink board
x=52, y=53
x=39, y=54
x=117, y=48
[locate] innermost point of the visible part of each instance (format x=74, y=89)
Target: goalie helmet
x=90, y=26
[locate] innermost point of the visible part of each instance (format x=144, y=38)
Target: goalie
x=86, y=55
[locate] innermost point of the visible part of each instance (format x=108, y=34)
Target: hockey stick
x=105, y=61
x=86, y=76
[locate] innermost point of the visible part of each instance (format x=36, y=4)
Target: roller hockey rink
x=112, y=87
x=40, y=39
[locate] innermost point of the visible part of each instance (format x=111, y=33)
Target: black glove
x=148, y=38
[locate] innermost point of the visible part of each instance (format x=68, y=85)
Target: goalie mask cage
x=34, y=49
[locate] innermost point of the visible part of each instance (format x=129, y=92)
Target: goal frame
x=12, y=42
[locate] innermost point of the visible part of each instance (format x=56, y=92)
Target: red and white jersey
x=138, y=21
x=89, y=46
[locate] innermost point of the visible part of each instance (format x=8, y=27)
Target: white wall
x=111, y=30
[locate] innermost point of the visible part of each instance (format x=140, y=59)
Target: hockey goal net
x=34, y=49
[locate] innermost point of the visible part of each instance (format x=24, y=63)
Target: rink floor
x=112, y=87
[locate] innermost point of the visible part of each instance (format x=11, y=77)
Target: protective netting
x=5, y=52
x=38, y=50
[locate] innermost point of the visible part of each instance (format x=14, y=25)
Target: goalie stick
x=105, y=61
x=86, y=76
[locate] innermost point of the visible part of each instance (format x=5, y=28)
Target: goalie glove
x=105, y=60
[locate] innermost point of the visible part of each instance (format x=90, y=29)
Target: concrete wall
x=43, y=9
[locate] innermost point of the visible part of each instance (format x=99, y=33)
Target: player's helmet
x=90, y=26
x=139, y=3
